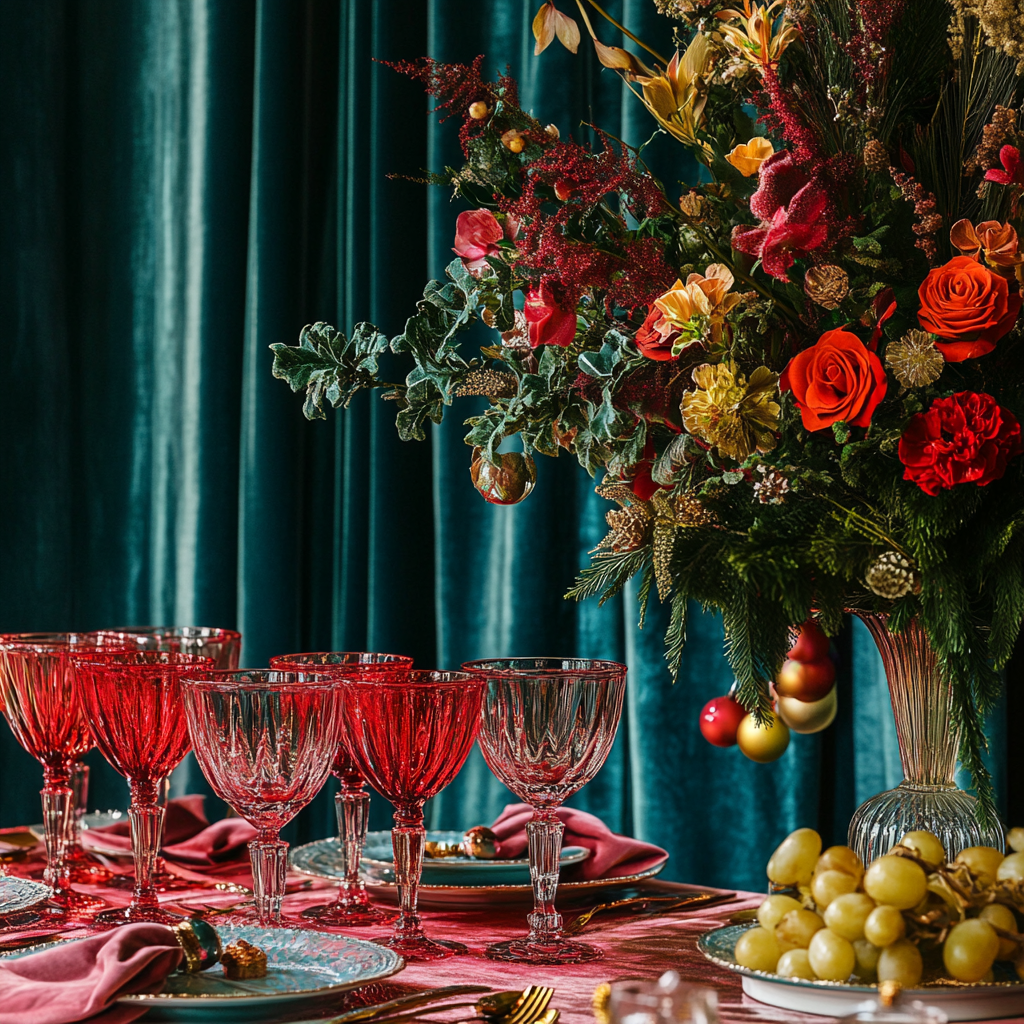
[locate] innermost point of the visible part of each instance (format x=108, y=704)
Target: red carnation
x=550, y=322
x=967, y=438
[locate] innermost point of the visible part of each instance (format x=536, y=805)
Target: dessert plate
x=19, y=894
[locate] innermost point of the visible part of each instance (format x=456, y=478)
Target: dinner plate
x=959, y=1001
x=302, y=966
x=18, y=894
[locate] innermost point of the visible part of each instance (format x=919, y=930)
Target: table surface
x=634, y=946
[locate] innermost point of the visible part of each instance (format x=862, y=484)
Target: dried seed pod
x=827, y=285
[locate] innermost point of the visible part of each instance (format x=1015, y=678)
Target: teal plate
x=301, y=966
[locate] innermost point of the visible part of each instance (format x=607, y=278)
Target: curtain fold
x=185, y=182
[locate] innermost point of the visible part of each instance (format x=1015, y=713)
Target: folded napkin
x=188, y=837
x=611, y=855
x=79, y=980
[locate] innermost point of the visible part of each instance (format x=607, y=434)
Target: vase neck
x=921, y=702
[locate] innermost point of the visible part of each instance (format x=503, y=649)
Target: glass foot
x=421, y=948
x=561, y=951
x=85, y=869
x=135, y=915
x=347, y=915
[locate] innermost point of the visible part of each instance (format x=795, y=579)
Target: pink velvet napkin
x=611, y=855
x=83, y=979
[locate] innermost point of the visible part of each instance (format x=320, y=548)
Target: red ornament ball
x=811, y=645
x=806, y=680
x=719, y=720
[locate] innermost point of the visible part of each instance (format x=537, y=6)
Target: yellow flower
x=737, y=416
x=748, y=157
x=677, y=95
x=755, y=39
x=704, y=298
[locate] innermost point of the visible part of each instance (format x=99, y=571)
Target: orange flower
x=677, y=95
x=748, y=157
x=998, y=243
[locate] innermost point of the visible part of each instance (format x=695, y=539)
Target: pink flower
x=550, y=323
x=779, y=180
x=796, y=228
x=477, y=234
x=1009, y=157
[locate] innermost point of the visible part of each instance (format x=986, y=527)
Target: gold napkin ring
x=190, y=946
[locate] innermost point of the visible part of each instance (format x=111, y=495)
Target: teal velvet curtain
x=184, y=182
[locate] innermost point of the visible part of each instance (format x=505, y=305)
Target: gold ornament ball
x=763, y=744
x=504, y=482
x=516, y=145
x=807, y=717
x=478, y=111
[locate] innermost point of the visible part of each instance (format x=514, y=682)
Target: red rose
x=964, y=439
x=656, y=336
x=477, y=234
x=550, y=323
x=835, y=379
x=968, y=304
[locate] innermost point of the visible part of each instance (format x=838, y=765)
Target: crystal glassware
x=352, y=908
x=224, y=647
x=265, y=741
x=547, y=727
x=134, y=706
x=665, y=1001
x=409, y=736
x=83, y=867
x=928, y=797
x=40, y=702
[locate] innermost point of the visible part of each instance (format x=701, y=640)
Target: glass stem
x=147, y=824
x=407, y=838
x=58, y=809
x=269, y=856
x=80, y=796
x=352, y=805
x=544, y=836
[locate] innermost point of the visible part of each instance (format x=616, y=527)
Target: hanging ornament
x=808, y=716
x=505, y=482
x=806, y=680
x=892, y=576
x=720, y=719
x=763, y=743
x=811, y=644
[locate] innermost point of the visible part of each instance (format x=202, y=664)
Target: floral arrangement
x=800, y=376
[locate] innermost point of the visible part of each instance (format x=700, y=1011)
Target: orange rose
x=968, y=304
x=836, y=379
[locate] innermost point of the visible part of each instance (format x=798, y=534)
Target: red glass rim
x=335, y=660
x=544, y=668
x=57, y=642
x=215, y=633
x=245, y=680
x=122, y=658
x=422, y=677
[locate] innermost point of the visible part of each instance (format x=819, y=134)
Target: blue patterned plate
x=18, y=894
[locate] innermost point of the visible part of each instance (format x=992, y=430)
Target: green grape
x=984, y=861
x=828, y=885
x=1015, y=839
x=774, y=908
x=884, y=926
x=832, y=957
x=896, y=881
x=900, y=962
x=1000, y=916
x=1011, y=869
x=840, y=858
x=926, y=846
x=795, y=963
x=970, y=950
x=797, y=928
x=793, y=862
x=847, y=914
x=867, y=959
x=757, y=949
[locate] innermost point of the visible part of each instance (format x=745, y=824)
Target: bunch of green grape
x=852, y=923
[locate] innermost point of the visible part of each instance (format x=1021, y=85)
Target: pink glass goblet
x=224, y=647
x=37, y=686
x=134, y=706
x=352, y=908
x=547, y=727
x=409, y=737
x=84, y=867
x=265, y=741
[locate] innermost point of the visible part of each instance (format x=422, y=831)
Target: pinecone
x=892, y=576
x=772, y=487
x=629, y=527
x=492, y=383
x=914, y=359
x=690, y=512
x=827, y=285
x=876, y=157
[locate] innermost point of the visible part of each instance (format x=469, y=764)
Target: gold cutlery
x=361, y=1013
x=661, y=904
x=526, y=1007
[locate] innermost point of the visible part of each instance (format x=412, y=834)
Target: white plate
x=302, y=965
x=837, y=999
x=18, y=894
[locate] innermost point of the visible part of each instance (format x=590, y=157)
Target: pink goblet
x=134, y=705
x=547, y=727
x=352, y=908
x=410, y=736
x=265, y=741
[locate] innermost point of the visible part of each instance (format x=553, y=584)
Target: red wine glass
x=352, y=908
x=409, y=737
x=37, y=686
x=224, y=647
x=265, y=741
x=134, y=704
x=547, y=727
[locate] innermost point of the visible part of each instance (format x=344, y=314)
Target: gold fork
x=527, y=1007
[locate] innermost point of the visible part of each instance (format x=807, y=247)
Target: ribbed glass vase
x=928, y=797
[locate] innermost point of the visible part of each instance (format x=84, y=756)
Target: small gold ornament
x=242, y=961
x=876, y=157
x=492, y=383
x=479, y=110
x=513, y=141
x=629, y=527
x=914, y=359
x=892, y=576
x=505, y=482
x=827, y=285
x=480, y=843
